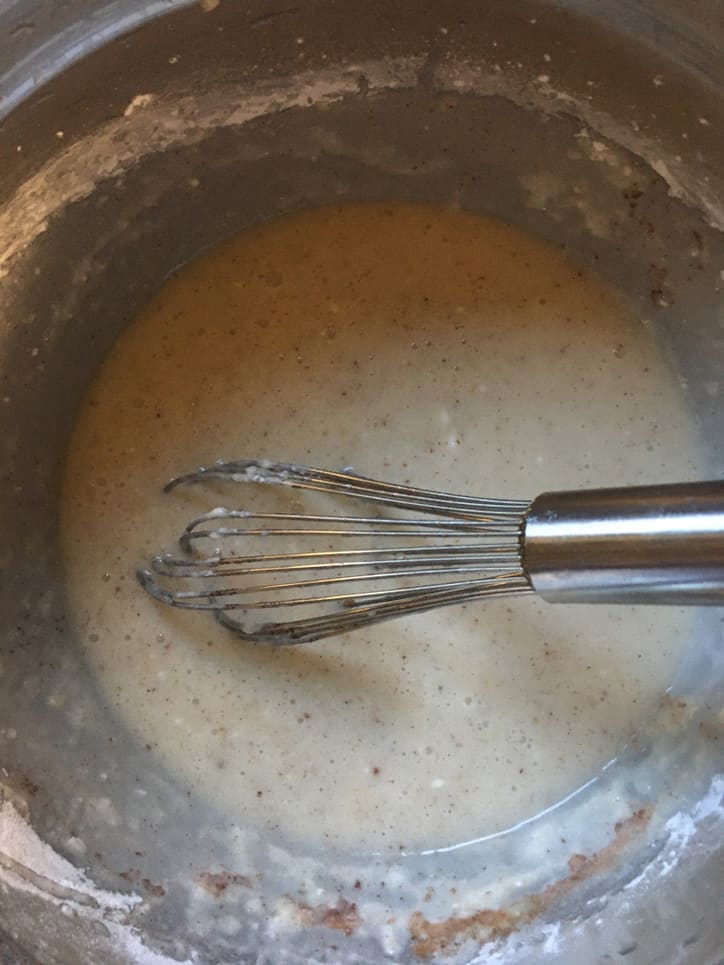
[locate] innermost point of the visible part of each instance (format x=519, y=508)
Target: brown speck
x=675, y=711
x=660, y=293
x=576, y=863
x=153, y=889
x=217, y=882
x=375, y=771
x=28, y=787
x=342, y=917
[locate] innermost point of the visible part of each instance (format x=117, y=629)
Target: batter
x=415, y=343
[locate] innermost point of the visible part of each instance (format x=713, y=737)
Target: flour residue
x=28, y=864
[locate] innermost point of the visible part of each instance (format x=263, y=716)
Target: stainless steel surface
x=649, y=544
x=124, y=153
x=652, y=544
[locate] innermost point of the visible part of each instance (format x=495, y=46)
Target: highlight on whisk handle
x=647, y=544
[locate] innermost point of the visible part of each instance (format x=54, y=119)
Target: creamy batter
x=415, y=343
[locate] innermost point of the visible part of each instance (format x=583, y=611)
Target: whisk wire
x=374, y=583
x=333, y=624
x=348, y=484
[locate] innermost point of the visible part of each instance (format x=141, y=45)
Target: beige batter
x=414, y=343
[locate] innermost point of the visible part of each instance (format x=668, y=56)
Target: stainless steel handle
x=649, y=544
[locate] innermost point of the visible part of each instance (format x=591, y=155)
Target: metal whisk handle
x=649, y=544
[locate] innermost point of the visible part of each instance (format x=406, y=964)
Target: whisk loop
x=335, y=572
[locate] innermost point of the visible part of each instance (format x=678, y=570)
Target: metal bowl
x=136, y=135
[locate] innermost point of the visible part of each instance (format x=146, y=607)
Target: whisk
x=414, y=550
